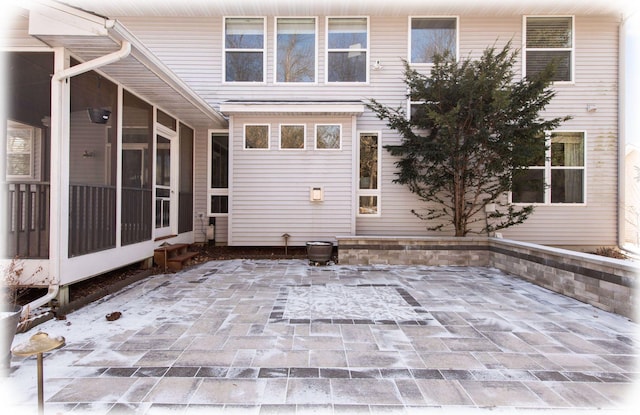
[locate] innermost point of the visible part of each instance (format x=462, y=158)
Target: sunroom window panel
x=431, y=36
x=296, y=50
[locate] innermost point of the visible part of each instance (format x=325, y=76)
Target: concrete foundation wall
x=606, y=283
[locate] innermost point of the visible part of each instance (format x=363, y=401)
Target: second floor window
x=347, y=46
x=244, y=49
x=296, y=50
x=549, y=39
x=432, y=35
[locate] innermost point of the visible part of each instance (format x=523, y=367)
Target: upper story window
x=549, y=39
x=296, y=49
x=558, y=176
x=347, y=49
x=432, y=35
x=244, y=44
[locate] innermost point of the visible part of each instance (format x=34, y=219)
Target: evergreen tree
x=474, y=128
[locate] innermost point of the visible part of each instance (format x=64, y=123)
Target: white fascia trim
x=299, y=107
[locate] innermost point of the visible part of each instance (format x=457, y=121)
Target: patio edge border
x=606, y=283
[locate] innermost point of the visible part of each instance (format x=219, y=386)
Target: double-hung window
x=369, y=174
x=21, y=141
x=244, y=45
x=430, y=36
x=296, y=49
x=547, y=40
x=347, y=49
x=558, y=176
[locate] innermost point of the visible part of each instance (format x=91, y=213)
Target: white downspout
x=124, y=51
x=59, y=77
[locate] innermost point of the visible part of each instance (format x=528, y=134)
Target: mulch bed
x=91, y=286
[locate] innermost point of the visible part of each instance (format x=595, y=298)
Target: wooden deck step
x=177, y=262
x=173, y=256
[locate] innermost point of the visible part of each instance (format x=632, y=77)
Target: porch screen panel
x=185, y=191
x=25, y=154
x=92, y=164
x=137, y=143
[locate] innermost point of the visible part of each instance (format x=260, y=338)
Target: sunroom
x=100, y=139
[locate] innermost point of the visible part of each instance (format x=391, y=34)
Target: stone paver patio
x=267, y=337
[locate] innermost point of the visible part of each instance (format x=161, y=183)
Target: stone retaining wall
x=606, y=283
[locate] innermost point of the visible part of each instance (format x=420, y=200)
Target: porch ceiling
x=200, y=8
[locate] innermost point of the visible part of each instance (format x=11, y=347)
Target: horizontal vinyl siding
x=596, y=82
x=193, y=49
x=270, y=188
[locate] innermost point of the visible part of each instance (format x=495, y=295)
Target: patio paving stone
x=283, y=337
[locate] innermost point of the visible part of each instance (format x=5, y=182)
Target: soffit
x=335, y=108
x=203, y=8
x=139, y=73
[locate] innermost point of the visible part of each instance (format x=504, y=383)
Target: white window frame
x=217, y=191
x=329, y=51
x=315, y=137
x=263, y=50
x=275, y=51
x=548, y=168
x=369, y=192
x=572, y=49
x=34, y=138
x=430, y=64
x=304, y=136
x=244, y=136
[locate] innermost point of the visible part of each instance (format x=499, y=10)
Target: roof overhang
x=292, y=107
x=88, y=36
x=208, y=8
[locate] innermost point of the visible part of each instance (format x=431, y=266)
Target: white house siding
x=192, y=47
x=271, y=188
x=596, y=82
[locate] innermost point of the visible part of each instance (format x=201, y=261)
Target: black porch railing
x=28, y=220
x=136, y=215
x=92, y=218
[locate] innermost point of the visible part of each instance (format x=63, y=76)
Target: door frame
x=174, y=170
